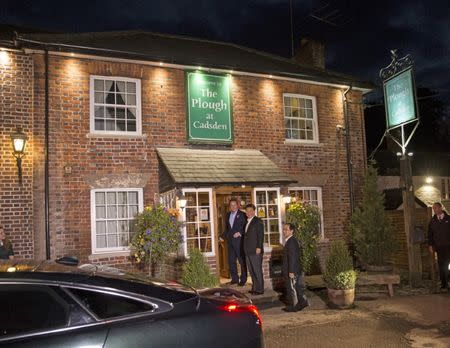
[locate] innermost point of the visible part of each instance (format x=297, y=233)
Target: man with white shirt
x=234, y=232
x=439, y=241
x=253, y=248
x=292, y=271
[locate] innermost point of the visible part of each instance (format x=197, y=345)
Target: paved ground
x=401, y=321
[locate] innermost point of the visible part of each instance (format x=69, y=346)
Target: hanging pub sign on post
x=208, y=103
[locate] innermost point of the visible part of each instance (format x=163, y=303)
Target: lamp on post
x=19, y=140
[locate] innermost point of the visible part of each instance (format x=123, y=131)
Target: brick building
x=117, y=119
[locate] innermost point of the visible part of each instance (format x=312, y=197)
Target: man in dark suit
x=234, y=234
x=292, y=271
x=254, y=249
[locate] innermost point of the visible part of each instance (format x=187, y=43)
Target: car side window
x=27, y=308
x=106, y=306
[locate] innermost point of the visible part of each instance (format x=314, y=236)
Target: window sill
x=119, y=253
x=301, y=142
x=121, y=136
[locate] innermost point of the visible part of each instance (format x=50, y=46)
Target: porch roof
x=197, y=167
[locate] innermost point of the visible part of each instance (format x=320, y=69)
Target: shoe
x=241, y=284
x=289, y=309
x=298, y=308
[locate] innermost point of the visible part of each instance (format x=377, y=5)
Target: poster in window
x=262, y=212
x=204, y=214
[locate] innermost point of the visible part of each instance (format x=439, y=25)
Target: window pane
x=100, y=227
x=110, y=113
x=121, y=125
x=132, y=197
x=120, y=113
x=287, y=112
x=295, y=124
x=287, y=101
x=302, y=124
x=100, y=212
x=99, y=112
x=110, y=98
x=131, y=99
x=111, y=227
x=272, y=197
x=133, y=209
x=131, y=87
x=123, y=239
x=205, y=245
x=191, y=199
x=191, y=230
x=123, y=226
x=295, y=112
x=120, y=86
x=101, y=241
x=274, y=239
x=302, y=102
x=112, y=240
x=99, y=97
x=260, y=197
x=294, y=102
x=110, y=306
x=205, y=230
x=110, y=125
x=309, y=135
x=289, y=134
x=309, y=125
x=99, y=85
x=100, y=198
x=295, y=134
x=273, y=225
x=120, y=98
x=111, y=196
x=109, y=85
x=121, y=197
x=273, y=211
x=131, y=126
x=131, y=113
x=308, y=103
x=301, y=135
x=112, y=211
x=192, y=244
x=99, y=125
x=122, y=213
x=203, y=198
x=309, y=113
x=191, y=214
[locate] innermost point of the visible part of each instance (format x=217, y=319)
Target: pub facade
x=119, y=121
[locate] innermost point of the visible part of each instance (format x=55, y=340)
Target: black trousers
x=255, y=268
x=234, y=254
x=295, y=291
x=443, y=259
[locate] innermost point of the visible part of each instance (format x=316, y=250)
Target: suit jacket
x=240, y=221
x=291, y=257
x=254, y=237
x=439, y=232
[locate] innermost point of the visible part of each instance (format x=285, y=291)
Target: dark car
x=52, y=305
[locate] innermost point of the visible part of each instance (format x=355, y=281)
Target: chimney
x=311, y=53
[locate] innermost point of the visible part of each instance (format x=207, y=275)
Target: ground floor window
x=112, y=214
x=309, y=195
x=198, y=217
x=268, y=209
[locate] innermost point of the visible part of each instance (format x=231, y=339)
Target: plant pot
x=379, y=269
x=341, y=298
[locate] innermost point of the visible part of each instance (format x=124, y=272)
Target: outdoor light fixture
x=19, y=140
x=182, y=201
x=410, y=154
x=399, y=154
x=287, y=199
x=429, y=180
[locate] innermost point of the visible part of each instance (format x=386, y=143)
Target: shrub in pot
x=196, y=272
x=339, y=276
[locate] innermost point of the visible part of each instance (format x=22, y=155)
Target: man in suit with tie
x=234, y=234
x=254, y=249
x=292, y=271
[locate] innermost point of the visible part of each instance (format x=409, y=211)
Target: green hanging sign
x=399, y=92
x=208, y=108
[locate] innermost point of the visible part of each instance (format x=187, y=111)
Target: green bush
x=339, y=273
x=370, y=230
x=196, y=272
x=306, y=218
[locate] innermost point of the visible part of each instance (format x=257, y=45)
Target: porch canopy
x=194, y=167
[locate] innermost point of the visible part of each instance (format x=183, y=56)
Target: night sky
x=358, y=34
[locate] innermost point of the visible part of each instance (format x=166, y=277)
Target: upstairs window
x=300, y=118
x=115, y=105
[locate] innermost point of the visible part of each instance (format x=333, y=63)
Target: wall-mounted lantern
x=19, y=140
x=182, y=201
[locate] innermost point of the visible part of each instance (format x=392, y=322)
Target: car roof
x=94, y=276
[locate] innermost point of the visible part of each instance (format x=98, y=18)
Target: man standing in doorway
x=234, y=234
x=292, y=271
x=253, y=248
x=439, y=241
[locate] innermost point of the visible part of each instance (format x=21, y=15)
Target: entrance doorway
x=223, y=196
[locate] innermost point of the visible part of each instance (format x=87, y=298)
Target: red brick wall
x=16, y=109
x=109, y=161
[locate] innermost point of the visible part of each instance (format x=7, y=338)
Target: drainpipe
x=347, y=142
x=46, y=172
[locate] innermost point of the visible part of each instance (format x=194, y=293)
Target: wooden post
x=414, y=257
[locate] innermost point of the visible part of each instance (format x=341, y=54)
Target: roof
x=183, y=50
x=393, y=199
x=193, y=166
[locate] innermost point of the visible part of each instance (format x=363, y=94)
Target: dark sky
x=358, y=39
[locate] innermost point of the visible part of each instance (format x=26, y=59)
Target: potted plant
x=306, y=217
x=371, y=234
x=196, y=272
x=339, y=276
x=158, y=234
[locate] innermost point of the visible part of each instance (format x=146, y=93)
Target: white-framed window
x=267, y=202
x=115, y=105
x=198, y=216
x=112, y=218
x=310, y=195
x=300, y=118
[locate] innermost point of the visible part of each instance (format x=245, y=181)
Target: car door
x=42, y=315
